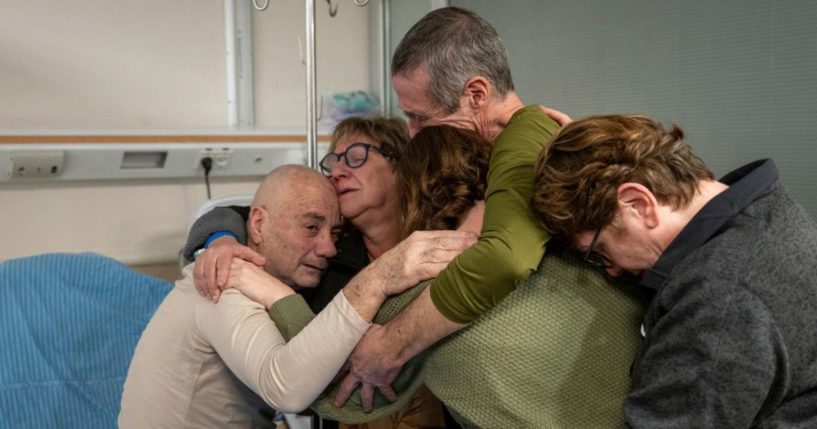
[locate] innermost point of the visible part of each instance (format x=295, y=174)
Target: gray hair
x=455, y=45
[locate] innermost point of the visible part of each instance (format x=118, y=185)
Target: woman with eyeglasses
x=360, y=164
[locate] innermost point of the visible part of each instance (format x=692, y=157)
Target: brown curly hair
x=577, y=175
x=441, y=173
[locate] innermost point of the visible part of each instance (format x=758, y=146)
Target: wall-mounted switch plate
x=32, y=164
x=221, y=157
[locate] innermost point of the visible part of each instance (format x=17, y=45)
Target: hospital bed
x=69, y=324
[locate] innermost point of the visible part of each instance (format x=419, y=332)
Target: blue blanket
x=69, y=324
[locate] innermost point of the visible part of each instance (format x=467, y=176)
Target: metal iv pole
x=311, y=98
x=311, y=93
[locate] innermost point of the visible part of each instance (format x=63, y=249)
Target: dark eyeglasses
x=594, y=258
x=356, y=155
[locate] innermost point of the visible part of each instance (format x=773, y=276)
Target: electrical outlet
x=37, y=164
x=221, y=157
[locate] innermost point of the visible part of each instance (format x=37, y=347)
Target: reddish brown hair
x=441, y=173
x=577, y=175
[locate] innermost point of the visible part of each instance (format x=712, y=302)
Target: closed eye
x=415, y=117
x=312, y=222
x=336, y=234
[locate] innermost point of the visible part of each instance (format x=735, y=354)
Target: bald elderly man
x=200, y=364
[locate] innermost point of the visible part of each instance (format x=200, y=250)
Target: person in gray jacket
x=730, y=338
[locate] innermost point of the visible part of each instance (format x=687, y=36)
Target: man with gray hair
x=451, y=68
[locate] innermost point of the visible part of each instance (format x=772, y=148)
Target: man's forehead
x=321, y=210
x=313, y=215
x=412, y=92
x=414, y=104
x=310, y=199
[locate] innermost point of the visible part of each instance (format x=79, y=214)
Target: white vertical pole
x=311, y=98
x=386, y=54
x=245, y=93
x=232, y=82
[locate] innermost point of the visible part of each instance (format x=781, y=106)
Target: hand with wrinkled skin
x=256, y=284
x=419, y=257
x=212, y=267
x=560, y=117
x=369, y=348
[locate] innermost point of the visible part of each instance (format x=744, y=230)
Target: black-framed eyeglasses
x=355, y=155
x=594, y=258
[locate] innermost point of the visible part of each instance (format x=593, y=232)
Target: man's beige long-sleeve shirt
x=200, y=364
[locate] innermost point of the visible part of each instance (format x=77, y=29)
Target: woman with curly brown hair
x=440, y=177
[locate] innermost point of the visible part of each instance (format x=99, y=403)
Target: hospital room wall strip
x=209, y=138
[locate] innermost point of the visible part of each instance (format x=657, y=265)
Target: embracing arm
x=229, y=219
x=512, y=243
x=223, y=232
x=288, y=376
x=419, y=257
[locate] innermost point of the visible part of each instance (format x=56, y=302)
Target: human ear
x=477, y=90
x=255, y=227
x=636, y=200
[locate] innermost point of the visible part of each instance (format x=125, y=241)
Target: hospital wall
x=738, y=76
x=91, y=67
